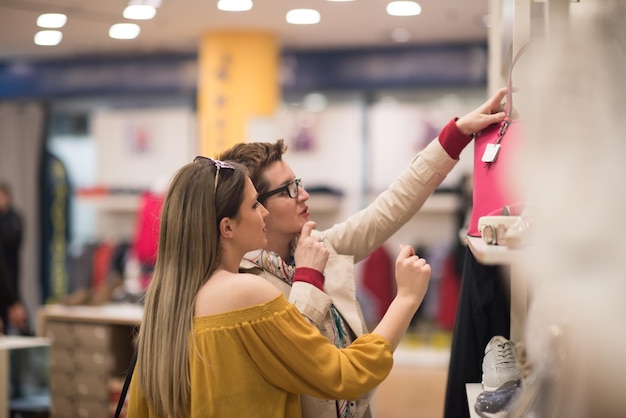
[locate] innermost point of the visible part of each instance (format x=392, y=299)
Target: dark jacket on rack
x=7, y=293
x=11, y=231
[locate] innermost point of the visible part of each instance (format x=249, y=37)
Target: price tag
x=491, y=153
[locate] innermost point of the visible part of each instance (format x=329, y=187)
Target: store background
x=111, y=119
x=90, y=107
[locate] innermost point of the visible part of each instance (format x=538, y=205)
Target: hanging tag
x=491, y=153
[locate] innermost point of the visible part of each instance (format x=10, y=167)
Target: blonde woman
x=218, y=343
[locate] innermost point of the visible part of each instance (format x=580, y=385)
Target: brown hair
x=256, y=156
x=188, y=253
x=4, y=187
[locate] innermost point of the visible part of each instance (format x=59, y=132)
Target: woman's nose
x=303, y=195
x=264, y=211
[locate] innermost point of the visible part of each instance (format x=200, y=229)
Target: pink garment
x=493, y=186
x=147, y=228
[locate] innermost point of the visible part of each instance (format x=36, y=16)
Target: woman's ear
x=226, y=227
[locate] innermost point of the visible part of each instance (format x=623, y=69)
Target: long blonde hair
x=188, y=253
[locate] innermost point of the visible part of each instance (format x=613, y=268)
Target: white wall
x=354, y=148
x=127, y=149
x=136, y=147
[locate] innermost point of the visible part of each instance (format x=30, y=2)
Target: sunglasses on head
x=218, y=166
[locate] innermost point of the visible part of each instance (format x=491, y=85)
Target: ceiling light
x=154, y=3
x=139, y=12
x=234, y=5
x=51, y=20
x=400, y=35
x=124, y=31
x=303, y=16
x=485, y=21
x=404, y=8
x=141, y=9
x=48, y=37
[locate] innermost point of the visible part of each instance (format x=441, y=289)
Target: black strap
x=129, y=375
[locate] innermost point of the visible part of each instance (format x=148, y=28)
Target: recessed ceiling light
x=303, y=16
x=139, y=12
x=234, y=5
x=485, y=20
x=400, y=35
x=48, y=37
x=124, y=31
x=404, y=8
x=51, y=20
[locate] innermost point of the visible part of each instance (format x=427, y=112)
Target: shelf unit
x=91, y=348
x=555, y=19
x=512, y=26
x=7, y=344
x=473, y=390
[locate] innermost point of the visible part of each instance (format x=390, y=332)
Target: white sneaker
x=499, y=364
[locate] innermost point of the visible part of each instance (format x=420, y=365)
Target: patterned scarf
x=271, y=262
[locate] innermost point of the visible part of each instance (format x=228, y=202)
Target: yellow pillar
x=238, y=79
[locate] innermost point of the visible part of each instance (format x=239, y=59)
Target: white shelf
x=112, y=202
x=123, y=314
x=473, y=390
x=14, y=342
x=491, y=254
x=8, y=343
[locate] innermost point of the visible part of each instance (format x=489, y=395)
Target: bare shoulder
x=228, y=292
x=257, y=290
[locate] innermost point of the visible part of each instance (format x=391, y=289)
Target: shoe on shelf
x=495, y=404
x=499, y=364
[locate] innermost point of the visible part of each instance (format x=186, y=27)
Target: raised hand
x=486, y=114
x=310, y=252
x=412, y=274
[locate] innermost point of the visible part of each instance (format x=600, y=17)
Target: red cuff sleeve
x=309, y=275
x=453, y=140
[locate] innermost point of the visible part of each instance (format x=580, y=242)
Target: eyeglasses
x=218, y=166
x=291, y=188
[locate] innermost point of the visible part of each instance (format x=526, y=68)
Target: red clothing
x=147, y=228
x=449, y=290
x=378, y=281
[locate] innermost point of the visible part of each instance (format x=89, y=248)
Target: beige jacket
x=352, y=241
